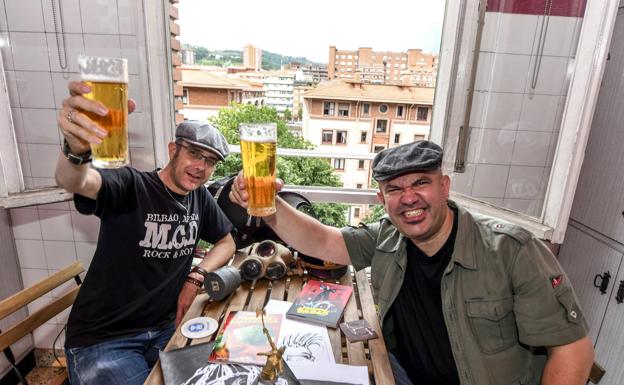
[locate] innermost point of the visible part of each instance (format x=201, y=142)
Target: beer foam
x=103, y=69
x=263, y=132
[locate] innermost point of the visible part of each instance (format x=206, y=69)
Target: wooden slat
x=26, y=296
x=38, y=318
x=294, y=288
x=278, y=289
x=355, y=350
x=377, y=347
x=195, y=310
x=258, y=295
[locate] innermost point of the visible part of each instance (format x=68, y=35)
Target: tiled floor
x=45, y=376
x=48, y=371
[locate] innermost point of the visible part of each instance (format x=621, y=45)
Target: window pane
x=381, y=125
x=397, y=138
x=423, y=112
x=343, y=109
x=363, y=136
x=327, y=136
x=365, y=109
x=361, y=164
x=341, y=137
x=328, y=108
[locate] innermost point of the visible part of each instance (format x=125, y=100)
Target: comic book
x=241, y=338
x=320, y=302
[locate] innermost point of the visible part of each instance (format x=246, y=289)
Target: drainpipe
x=464, y=129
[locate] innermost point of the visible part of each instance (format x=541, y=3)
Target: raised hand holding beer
x=258, y=143
x=108, y=80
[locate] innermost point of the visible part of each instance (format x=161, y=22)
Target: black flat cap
x=417, y=156
x=203, y=135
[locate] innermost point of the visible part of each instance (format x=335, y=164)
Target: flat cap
x=416, y=156
x=203, y=135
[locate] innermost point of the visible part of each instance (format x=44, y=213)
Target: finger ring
x=70, y=116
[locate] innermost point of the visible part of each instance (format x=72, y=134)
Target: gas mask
x=266, y=259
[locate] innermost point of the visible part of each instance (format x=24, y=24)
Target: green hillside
x=226, y=58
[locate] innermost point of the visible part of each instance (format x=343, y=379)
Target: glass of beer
x=258, y=142
x=108, y=79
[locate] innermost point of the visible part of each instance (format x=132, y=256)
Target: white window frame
x=593, y=46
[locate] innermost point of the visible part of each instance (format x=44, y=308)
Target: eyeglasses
x=197, y=155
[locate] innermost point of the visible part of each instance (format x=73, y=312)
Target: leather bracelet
x=194, y=281
x=199, y=270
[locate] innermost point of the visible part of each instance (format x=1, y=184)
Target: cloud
x=308, y=30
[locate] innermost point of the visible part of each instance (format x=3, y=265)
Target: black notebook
x=179, y=365
x=190, y=366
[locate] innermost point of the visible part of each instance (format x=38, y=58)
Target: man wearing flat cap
x=463, y=298
x=138, y=286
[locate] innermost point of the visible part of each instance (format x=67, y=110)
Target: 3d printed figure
x=274, y=366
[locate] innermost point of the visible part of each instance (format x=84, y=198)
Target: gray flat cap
x=417, y=156
x=203, y=135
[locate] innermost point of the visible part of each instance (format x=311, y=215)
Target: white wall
x=49, y=237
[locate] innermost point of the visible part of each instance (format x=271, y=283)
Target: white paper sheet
x=305, y=342
x=330, y=373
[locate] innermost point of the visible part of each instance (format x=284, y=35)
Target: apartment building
x=412, y=68
x=205, y=93
x=252, y=57
x=307, y=73
x=342, y=117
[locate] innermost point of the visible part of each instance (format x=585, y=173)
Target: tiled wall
x=515, y=126
x=37, y=82
x=49, y=237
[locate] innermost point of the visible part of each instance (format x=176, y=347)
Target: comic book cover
x=320, y=302
x=242, y=338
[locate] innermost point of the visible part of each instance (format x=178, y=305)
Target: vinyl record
x=199, y=327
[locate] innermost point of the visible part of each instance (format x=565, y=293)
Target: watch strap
x=74, y=158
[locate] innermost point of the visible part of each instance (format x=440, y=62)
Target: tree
x=292, y=170
x=300, y=114
x=374, y=213
x=287, y=115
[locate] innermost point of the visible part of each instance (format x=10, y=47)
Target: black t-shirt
x=423, y=346
x=145, y=249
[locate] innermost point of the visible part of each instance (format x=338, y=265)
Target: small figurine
x=274, y=366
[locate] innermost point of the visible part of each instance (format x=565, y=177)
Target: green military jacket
x=502, y=293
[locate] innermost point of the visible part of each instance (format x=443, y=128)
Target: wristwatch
x=73, y=158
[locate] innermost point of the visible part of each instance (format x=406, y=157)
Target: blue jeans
x=124, y=361
x=400, y=376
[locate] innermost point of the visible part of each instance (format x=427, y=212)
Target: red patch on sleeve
x=555, y=281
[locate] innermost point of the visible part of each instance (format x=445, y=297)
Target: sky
x=308, y=28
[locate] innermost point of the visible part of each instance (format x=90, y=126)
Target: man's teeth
x=414, y=213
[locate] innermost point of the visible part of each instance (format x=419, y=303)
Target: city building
x=205, y=93
x=298, y=91
x=252, y=57
x=278, y=90
x=358, y=118
x=188, y=56
x=412, y=68
x=308, y=73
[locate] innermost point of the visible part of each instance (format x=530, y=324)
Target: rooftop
x=198, y=78
x=372, y=92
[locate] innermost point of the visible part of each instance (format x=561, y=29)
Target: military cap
x=203, y=135
x=416, y=156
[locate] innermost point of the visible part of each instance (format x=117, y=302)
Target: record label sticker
x=199, y=327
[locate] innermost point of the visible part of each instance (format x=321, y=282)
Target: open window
x=514, y=127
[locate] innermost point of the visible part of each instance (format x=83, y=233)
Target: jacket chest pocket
x=493, y=324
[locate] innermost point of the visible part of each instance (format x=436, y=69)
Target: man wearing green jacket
x=463, y=298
